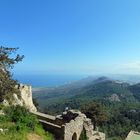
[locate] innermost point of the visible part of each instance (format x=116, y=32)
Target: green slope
x=73, y=96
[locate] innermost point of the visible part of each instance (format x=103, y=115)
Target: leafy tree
x=8, y=58
x=95, y=112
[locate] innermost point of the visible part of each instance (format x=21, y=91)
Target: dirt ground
x=32, y=136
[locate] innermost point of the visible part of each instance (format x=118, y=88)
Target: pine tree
x=8, y=58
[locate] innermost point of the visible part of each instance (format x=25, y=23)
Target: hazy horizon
x=54, y=80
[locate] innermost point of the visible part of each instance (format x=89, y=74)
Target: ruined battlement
x=24, y=87
x=69, y=125
x=26, y=97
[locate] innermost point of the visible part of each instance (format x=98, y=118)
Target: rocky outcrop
x=114, y=98
x=5, y=102
x=25, y=98
x=133, y=135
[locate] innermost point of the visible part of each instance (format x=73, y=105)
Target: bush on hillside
x=21, y=116
x=19, y=123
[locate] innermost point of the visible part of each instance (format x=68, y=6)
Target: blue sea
x=47, y=80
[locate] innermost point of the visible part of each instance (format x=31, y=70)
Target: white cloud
x=129, y=68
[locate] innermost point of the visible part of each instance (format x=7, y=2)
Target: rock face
x=133, y=136
x=5, y=102
x=25, y=98
x=114, y=98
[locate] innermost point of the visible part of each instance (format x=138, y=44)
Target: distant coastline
x=59, y=80
x=47, y=80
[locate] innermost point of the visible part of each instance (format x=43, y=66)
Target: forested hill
x=86, y=90
x=120, y=101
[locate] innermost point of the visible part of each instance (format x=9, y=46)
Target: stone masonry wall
x=26, y=97
x=74, y=127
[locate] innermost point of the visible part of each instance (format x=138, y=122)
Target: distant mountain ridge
x=89, y=89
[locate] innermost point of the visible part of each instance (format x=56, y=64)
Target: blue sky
x=73, y=36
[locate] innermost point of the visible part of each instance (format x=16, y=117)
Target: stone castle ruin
x=68, y=126
x=26, y=97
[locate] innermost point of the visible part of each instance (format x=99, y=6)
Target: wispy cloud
x=131, y=65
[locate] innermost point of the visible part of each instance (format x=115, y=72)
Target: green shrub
x=1, y=106
x=22, y=117
x=20, y=122
x=83, y=135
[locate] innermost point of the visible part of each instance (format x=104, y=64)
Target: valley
x=120, y=101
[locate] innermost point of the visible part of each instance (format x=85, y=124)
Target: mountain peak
x=102, y=79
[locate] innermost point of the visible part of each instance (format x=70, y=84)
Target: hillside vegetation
x=19, y=124
x=16, y=123
x=119, y=102
x=74, y=95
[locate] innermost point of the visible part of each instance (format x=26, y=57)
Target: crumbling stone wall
x=69, y=125
x=73, y=129
x=26, y=97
